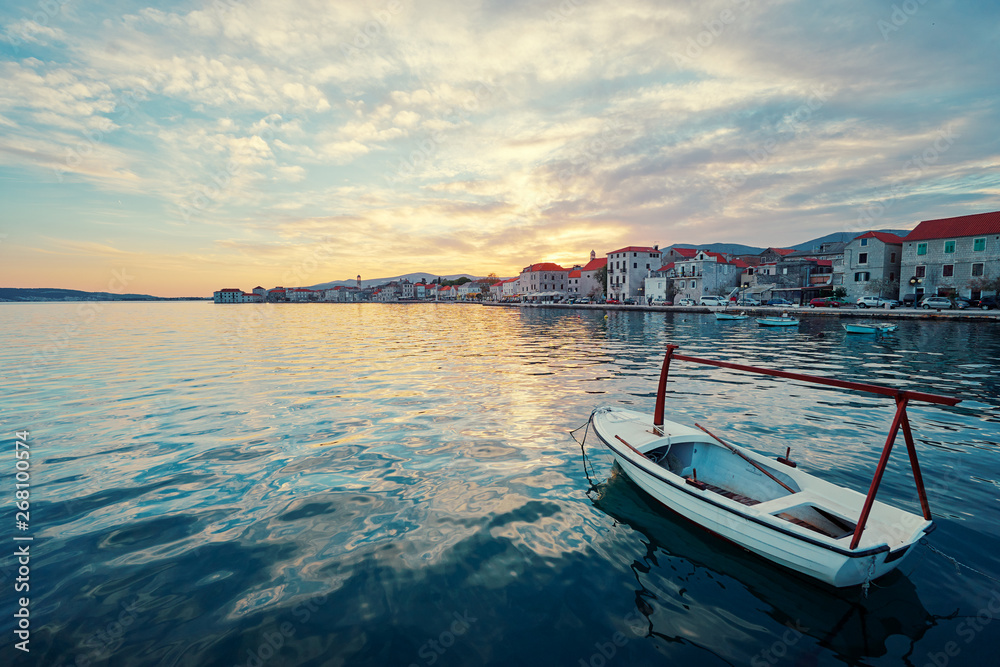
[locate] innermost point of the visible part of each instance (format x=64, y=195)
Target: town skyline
x=260, y=141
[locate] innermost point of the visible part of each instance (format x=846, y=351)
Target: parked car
x=780, y=302
x=629, y=302
x=713, y=301
x=910, y=300
x=941, y=302
x=988, y=302
x=824, y=302
x=686, y=302
x=611, y=301
x=874, y=302
x=962, y=303
x=582, y=300
x=747, y=301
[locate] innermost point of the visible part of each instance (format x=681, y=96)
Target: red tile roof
x=634, y=248
x=230, y=289
x=595, y=264
x=686, y=252
x=574, y=274
x=884, y=237
x=739, y=264
x=666, y=267
x=545, y=266
x=964, y=225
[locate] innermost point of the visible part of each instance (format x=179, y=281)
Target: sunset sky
x=197, y=145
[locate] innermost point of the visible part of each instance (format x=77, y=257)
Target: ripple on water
x=370, y=473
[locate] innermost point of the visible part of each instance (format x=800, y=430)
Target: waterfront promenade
x=968, y=314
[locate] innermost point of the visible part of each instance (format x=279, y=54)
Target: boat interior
x=714, y=468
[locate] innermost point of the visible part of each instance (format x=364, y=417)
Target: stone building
x=951, y=256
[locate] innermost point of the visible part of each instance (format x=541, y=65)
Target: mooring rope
x=583, y=451
x=956, y=562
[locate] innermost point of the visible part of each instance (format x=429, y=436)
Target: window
x=861, y=277
x=864, y=242
x=977, y=270
x=647, y=266
x=921, y=248
x=635, y=254
x=978, y=245
x=949, y=246
x=635, y=265
x=862, y=257
x=892, y=276
x=947, y=270
x=892, y=258
x=920, y=271
x=692, y=284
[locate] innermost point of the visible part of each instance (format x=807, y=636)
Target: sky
x=176, y=149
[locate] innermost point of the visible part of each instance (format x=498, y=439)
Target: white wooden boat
x=777, y=321
x=870, y=328
x=770, y=507
x=731, y=316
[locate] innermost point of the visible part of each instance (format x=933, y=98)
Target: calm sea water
x=395, y=485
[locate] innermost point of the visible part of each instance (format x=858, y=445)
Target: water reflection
x=844, y=621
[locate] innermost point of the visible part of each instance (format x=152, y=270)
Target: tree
x=601, y=276
x=839, y=292
x=984, y=284
x=878, y=286
x=491, y=279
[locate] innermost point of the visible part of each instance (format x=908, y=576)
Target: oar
x=745, y=458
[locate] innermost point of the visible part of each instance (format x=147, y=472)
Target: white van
x=712, y=301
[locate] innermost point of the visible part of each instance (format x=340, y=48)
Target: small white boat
x=870, y=328
x=731, y=316
x=770, y=507
x=777, y=321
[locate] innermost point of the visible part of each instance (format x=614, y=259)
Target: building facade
x=952, y=257
x=627, y=271
x=543, y=278
x=872, y=264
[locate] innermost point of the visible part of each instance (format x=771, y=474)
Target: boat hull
x=730, y=317
x=869, y=328
x=757, y=528
x=777, y=322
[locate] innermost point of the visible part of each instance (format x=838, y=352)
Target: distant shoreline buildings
x=947, y=257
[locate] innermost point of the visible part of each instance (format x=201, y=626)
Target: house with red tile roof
x=628, y=269
x=706, y=273
x=582, y=280
x=952, y=256
x=872, y=265
x=542, y=281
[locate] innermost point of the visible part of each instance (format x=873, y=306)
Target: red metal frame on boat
x=900, y=420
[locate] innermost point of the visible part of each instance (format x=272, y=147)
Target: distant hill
x=842, y=237
x=412, y=277
x=58, y=294
x=812, y=244
x=728, y=248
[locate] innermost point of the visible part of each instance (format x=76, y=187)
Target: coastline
x=861, y=313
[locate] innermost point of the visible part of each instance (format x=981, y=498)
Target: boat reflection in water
x=843, y=620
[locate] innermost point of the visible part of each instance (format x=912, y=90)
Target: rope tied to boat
x=958, y=564
x=583, y=451
x=868, y=577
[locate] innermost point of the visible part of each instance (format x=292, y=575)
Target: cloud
x=500, y=133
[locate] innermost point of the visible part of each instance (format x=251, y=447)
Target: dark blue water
x=393, y=485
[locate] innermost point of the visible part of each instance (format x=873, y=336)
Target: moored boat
x=782, y=321
x=731, y=316
x=770, y=507
x=870, y=328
